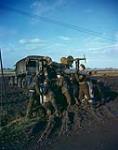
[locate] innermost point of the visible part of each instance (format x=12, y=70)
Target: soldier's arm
x=77, y=77
x=37, y=88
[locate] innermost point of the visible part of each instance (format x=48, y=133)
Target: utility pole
x=2, y=73
x=2, y=88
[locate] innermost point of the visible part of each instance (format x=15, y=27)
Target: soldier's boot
x=77, y=102
x=86, y=105
x=83, y=106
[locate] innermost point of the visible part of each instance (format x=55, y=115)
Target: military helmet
x=64, y=60
x=70, y=58
x=49, y=60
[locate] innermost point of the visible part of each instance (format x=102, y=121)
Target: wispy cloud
x=45, y=7
x=30, y=41
x=32, y=44
x=116, y=36
x=65, y=38
x=105, y=47
x=94, y=47
x=94, y=43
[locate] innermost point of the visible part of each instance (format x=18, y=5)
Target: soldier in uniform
x=61, y=83
x=34, y=95
x=49, y=101
x=83, y=86
x=74, y=89
x=51, y=73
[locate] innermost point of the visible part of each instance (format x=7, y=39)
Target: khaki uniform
x=83, y=89
x=62, y=84
x=74, y=90
x=49, y=102
x=34, y=96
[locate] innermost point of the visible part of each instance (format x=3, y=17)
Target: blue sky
x=22, y=35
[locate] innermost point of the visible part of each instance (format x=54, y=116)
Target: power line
x=56, y=22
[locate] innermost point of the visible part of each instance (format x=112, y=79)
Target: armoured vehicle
x=28, y=66
x=33, y=64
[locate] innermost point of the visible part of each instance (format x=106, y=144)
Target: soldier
x=70, y=60
x=49, y=99
x=83, y=86
x=61, y=83
x=34, y=95
x=74, y=88
x=51, y=73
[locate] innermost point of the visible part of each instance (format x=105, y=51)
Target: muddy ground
x=94, y=130
x=102, y=136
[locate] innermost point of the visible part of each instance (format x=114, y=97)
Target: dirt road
x=101, y=137
x=93, y=135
